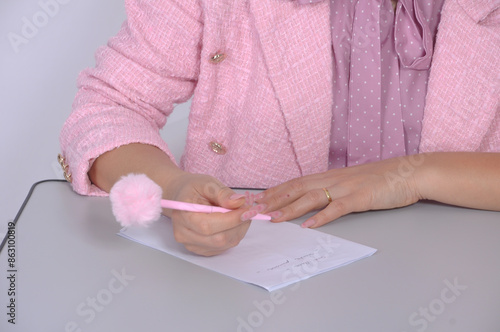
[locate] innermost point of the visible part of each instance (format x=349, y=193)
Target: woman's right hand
x=202, y=233
x=208, y=234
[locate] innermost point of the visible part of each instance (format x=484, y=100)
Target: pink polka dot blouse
x=381, y=67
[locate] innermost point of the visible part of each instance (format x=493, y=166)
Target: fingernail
x=248, y=215
x=259, y=207
x=236, y=197
x=275, y=214
x=308, y=223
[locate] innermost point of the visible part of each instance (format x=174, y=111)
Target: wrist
x=426, y=175
x=172, y=181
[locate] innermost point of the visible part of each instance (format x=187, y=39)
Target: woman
x=283, y=92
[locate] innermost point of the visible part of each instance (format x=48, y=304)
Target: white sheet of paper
x=272, y=255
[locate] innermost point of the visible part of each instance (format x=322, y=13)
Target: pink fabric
x=253, y=103
x=382, y=60
x=463, y=102
x=306, y=2
x=268, y=103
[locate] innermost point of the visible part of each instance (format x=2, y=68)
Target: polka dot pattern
x=381, y=68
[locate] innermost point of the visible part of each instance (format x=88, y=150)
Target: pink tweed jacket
x=463, y=98
x=260, y=73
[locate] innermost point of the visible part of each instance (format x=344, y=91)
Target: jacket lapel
x=296, y=43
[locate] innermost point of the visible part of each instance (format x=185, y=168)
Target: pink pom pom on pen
x=136, y=200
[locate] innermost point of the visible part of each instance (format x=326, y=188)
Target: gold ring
x=327, y=193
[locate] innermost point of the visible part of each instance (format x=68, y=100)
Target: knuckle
x=297, y=185
x=210, y=188
x=204, y=227
x=224, y=192
x=291, y=210
x=339, y=206
x=192, y=249
x=200, y=251
x=220, y=241
x=275, y=201
x=178, y=236
x=314, y=196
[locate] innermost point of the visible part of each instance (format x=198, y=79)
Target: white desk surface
x=437, y=268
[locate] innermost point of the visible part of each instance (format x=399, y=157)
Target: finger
x=282, y=195
x=207, y=224
x=229, y=199
x=334, y=210
x=213, y=244
x=312, y=200
x=218, y=194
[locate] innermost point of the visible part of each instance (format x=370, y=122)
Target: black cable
x=21, y=209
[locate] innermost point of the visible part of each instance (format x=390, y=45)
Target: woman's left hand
x=380, y=185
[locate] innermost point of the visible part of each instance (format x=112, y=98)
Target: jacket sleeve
x=148, y=67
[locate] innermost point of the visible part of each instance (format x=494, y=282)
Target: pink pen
x=137, y=200
x=193, y=207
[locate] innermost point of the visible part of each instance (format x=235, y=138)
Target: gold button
x=60, y=159
x=62, y=162
x=67, y=176
x=65, y=167
x=216, y=58
x=217, y=148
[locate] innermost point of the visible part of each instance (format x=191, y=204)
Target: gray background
x=44, y=44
